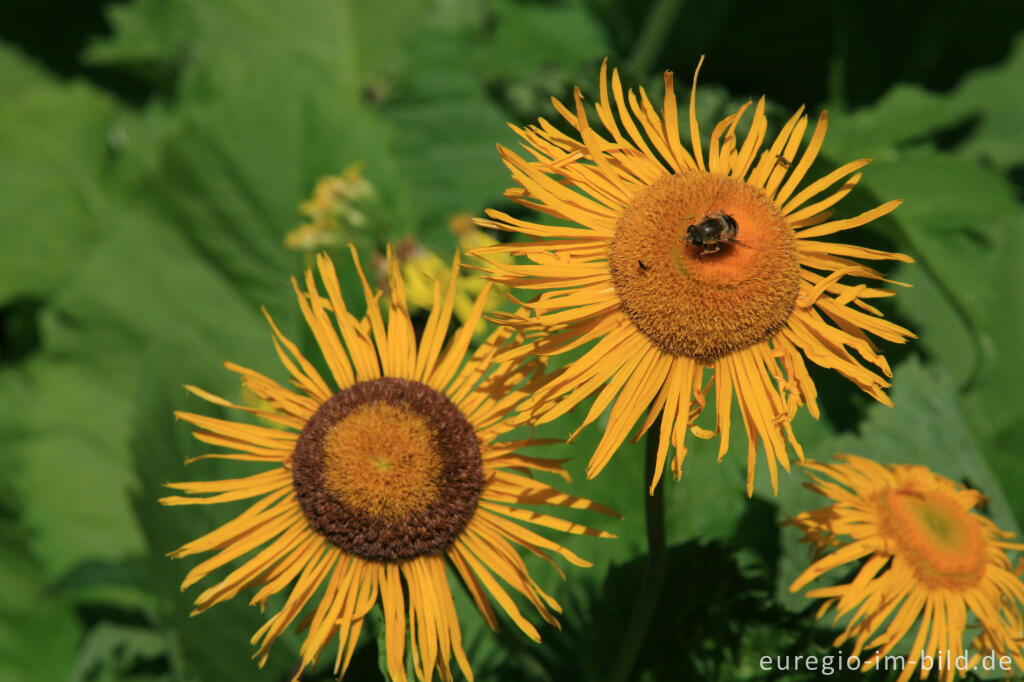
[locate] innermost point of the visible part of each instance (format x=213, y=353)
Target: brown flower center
x=938, y=538
x=728, y=282
x=388, y=469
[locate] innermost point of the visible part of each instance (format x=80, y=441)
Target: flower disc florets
x=388, y=469
x=704, y=301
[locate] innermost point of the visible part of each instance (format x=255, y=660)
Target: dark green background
x=153, y=154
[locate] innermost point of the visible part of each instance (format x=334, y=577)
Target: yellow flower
x=378, y=478
x=338, y=206
x=922, y=557
x=465, y=230
x=689, y=273
x=421, y=266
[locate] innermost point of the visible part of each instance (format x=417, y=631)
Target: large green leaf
x=996, y=94
x=231, y=174
x=55, y=166
x=529, y=39
x=963, y=222
x=38, y=627
x=444, y=130
x=142, y=284
x=161, y=39
x=993, y=402
x=981, y=116
x=907, y=115
x=150, y=37
x=117, y=652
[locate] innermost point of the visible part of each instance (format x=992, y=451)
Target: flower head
x=375, y=481
x=687, y=273
x=923, y=557
x=339, y=205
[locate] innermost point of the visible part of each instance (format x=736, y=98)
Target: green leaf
x=706, y=624
x=161, y=39
x=986, y=104
x=110, y=651
x=142, y=284
x=55, y=167
x=230, y=171
x=316, y=37
x=149, y=36
x=17, y=72
x=443, y=134
x=951, y=216
x=996, y=94
x=945, y=331
x=963, y=223
x=531, y=38
x=906, y=115
x=73, y=484
x=38, y=628
x=993, y=402
x=382, y=32
x=376, y=626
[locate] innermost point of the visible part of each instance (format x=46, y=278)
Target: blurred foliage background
x=153, y=157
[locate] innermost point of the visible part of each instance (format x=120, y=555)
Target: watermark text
x=831, y=664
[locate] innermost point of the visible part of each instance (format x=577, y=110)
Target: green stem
x=660, y=19
x=646, y=603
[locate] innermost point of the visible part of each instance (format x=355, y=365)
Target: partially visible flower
x=381, y=478
x=464, y=227
x=338, y=206
x=923, y=558
x=421, y=267
x=680, y=271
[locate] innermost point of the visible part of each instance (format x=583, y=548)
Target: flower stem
x=660, y=20
x=654, y=573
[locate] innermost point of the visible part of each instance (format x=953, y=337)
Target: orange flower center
x=388, y=469
x=704, y=265
x=941, y=541
x=381, y=459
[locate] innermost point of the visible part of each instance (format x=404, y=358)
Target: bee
x=712, y=230
x=642, y=265
x=783, y=161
